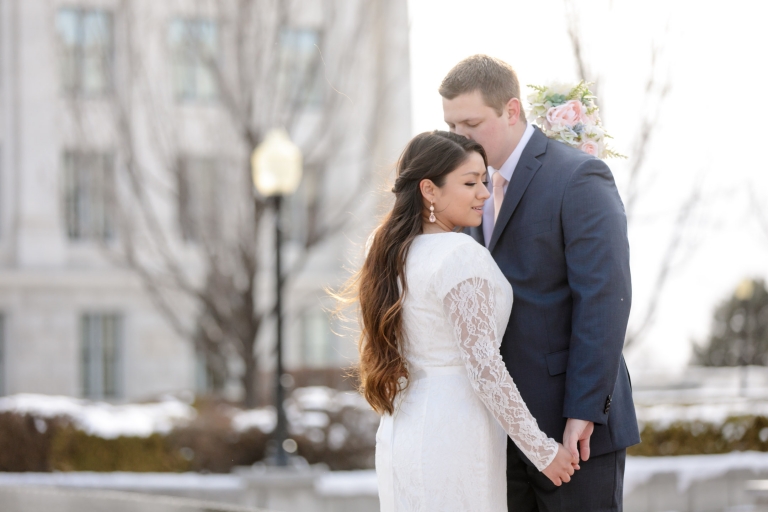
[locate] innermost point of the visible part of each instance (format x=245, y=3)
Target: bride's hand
x=562, y=467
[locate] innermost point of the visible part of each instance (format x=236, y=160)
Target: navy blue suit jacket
x=561, y=241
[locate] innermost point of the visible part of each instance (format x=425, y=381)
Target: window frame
x=195, y=66
x=79, y=69
x=310, y=94
x=86, y=196
x=95, y=367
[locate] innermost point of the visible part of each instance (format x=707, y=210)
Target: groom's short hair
x=494, y=78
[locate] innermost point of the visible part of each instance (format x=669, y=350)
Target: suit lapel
x=521, y=178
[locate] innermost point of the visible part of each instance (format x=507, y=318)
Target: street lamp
x=276, y=168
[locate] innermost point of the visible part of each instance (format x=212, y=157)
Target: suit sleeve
x=597, y=259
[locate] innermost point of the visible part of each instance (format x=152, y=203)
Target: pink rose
x=590, y=147
x=569, y=113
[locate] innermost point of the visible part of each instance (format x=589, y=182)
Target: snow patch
x=102, y=419
x=263, y=419
x=665, y=414
x=348, y=483
x=124, y=480
x=690, y=468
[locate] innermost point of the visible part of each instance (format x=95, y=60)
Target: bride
x=434, y=306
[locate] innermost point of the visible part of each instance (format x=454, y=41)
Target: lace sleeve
x=470, y=307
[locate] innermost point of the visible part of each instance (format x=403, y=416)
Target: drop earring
x=432, y=212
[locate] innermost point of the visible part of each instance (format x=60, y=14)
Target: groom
x=556, y=227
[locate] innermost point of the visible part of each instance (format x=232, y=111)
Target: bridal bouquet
x=569, y=114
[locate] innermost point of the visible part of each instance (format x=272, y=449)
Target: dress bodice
x=455, y=311
x=435, y=264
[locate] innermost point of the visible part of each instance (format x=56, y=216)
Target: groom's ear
x=513, y=109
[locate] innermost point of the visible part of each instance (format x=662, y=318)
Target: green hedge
x=738, y=433
x=74, y=450
x=25, y=442
x=209, y=444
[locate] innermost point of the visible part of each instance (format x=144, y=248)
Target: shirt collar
x=509, y=166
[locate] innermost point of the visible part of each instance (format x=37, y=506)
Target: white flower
x=567, y=135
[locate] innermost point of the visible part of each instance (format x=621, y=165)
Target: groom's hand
x=578, y=431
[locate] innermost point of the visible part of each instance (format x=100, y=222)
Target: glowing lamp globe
x=276, y=165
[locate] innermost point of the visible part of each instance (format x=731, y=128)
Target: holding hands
x=578, y=431
x=561, y=469
x=566, y=462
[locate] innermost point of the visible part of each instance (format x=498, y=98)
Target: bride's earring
x=432, y=212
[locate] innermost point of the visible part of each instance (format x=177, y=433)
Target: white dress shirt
x=506, y=170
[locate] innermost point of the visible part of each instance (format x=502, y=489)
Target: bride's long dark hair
x=380, y=285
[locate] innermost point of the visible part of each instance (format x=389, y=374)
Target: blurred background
x=151, y=217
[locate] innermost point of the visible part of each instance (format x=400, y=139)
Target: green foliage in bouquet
x=569, y=114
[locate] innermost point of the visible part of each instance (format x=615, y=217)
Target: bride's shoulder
x=460, y=259
x=460, y=249
x=448, y=242
x=463, y=241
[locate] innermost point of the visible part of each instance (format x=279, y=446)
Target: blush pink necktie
x=499, y=182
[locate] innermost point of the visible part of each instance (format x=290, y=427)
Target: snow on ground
x=124, y=480
x=691, y=468
x=348, y=483
x=264, y=419
x=320, y=398
x=103, y=419
x=307, y=408
x=716, y=413
x=639, y=470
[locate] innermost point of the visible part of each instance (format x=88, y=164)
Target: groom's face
x=468, y=115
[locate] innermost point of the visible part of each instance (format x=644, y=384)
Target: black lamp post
x=276, y=167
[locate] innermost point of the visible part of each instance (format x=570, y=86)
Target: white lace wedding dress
x=444, y=448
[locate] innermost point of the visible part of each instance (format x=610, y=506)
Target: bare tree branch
x=656, y=91
x=225, y=298
x=760, y=214
x=666, y=265
x=574, y=34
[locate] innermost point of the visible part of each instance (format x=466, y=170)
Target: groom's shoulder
x=568, y=160
x=563, y=153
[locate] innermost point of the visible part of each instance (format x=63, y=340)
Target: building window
x=198, y=199
x=319, y=349
x=89, y=195
x=101, y=355
x=86, y=45
x=3, y=375
x=194, y=48
x=299, y=75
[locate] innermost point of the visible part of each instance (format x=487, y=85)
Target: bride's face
x=459, y=202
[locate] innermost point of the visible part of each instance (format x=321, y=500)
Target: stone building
x=80, y=77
